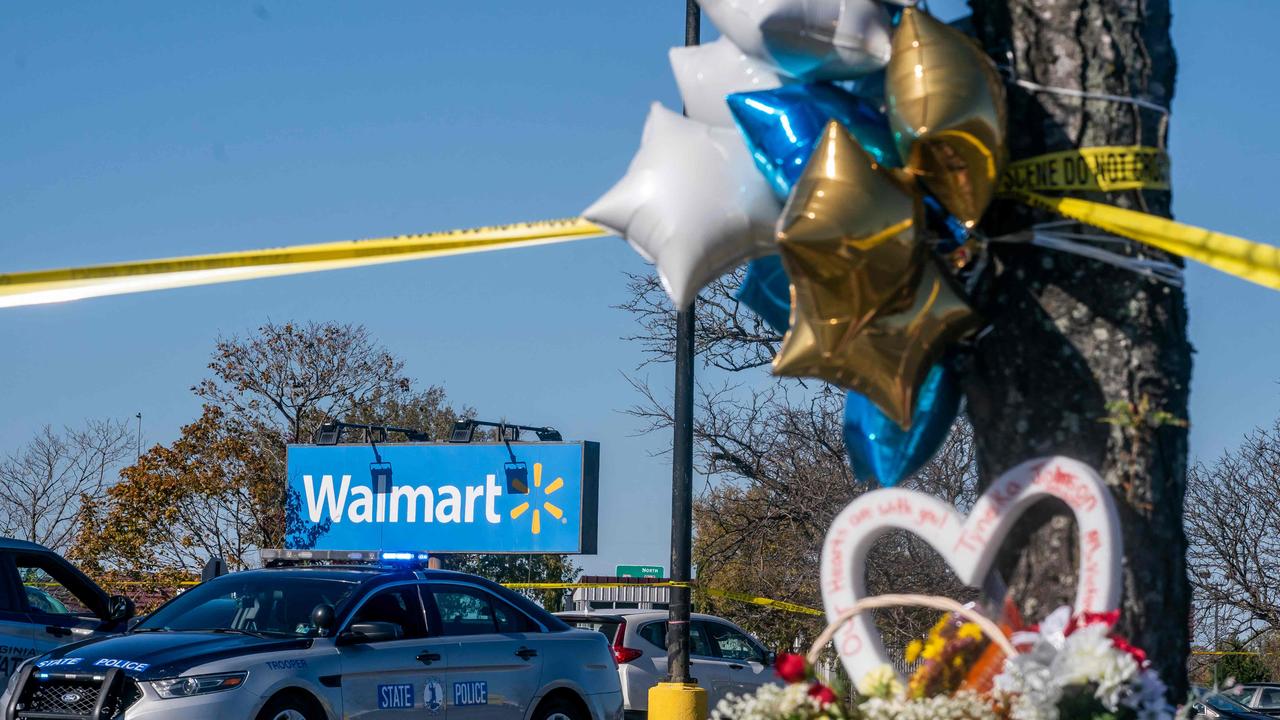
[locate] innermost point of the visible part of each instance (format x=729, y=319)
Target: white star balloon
x=692, y=203
x=808, y=39
x=708, y=73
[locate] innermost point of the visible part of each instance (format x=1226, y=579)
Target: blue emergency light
x=404, y=556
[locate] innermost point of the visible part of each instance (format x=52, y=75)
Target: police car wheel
x=559, y=710
x=287, y=708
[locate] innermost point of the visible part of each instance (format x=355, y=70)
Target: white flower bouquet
x=1067, y=668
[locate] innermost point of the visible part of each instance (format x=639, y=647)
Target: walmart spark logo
x=551, y=509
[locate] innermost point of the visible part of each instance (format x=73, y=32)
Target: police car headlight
x=197, y=684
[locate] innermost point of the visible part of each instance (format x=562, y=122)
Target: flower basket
x=1067, y=668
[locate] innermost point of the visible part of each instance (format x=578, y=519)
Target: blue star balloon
x=767, y=291
x=781, y=126
x=880, y=451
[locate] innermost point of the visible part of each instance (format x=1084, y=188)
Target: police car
x=322, y=642
x=46, y=602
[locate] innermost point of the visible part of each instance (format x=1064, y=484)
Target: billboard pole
x=679, y=697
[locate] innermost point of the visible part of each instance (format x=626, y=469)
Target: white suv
x=725, y=658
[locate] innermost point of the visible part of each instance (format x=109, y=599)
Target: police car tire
x=284, y=707
x=559, y=709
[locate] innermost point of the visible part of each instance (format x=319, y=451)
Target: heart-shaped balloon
x=946, y=105
x=708, y=73
x=880, y=451
x=968, y=545
x=691, y=203
x=782, y=125
x=807, y=39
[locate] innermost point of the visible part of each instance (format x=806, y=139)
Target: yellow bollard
x=677, y=701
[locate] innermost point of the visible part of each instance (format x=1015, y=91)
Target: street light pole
x=679, y=697
x=682, y=462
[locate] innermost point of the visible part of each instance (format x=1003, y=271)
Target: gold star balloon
x=870, y=311
x=889, y=360
x=847, y=239
x=946, y=107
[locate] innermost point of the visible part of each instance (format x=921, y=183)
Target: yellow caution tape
x=1224, y=652
x=766, y=602
x=1255, y=262
x=1091, y=169
x=576, y=585
x=741, y=597
x=45, y=286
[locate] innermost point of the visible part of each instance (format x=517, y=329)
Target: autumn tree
x=201, y=497
x=221, y=489
x=43, y=483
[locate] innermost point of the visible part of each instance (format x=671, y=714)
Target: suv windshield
x=275, y=604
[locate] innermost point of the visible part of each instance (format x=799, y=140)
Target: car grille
x=46, y=695
x=69, y=697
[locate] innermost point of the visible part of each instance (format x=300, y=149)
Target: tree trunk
x=1085, y=359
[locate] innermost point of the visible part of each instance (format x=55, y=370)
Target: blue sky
x=145, y=129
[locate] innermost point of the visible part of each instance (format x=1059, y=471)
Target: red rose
x=1089, y=618
x=824, y=694
x=1122, y=644
x=792, y=668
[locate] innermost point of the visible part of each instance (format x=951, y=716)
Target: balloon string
x=1044, y=236
x=1161, y=132
x=1090, y=95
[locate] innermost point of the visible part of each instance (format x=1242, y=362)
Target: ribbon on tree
x=1248, y=260
x=1090, y=169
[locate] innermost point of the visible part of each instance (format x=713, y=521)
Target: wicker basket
x=989, y=628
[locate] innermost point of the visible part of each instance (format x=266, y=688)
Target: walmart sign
x=445, y=498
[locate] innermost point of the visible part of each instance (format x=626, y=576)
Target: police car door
x=384, y=678
x=62, y=606
x=495, y=669
x=17, y=634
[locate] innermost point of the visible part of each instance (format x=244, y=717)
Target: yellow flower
x=970, y=631
x=933, y=648
x=941, y=625
x=881, y=682
x=913, y=650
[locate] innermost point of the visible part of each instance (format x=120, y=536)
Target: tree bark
x=1084, y=359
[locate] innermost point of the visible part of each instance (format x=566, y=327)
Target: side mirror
x=370, y=632
x=322, y=618
x=770, y=658
x=120, y=608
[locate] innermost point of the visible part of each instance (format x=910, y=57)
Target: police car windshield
x=274, y=604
